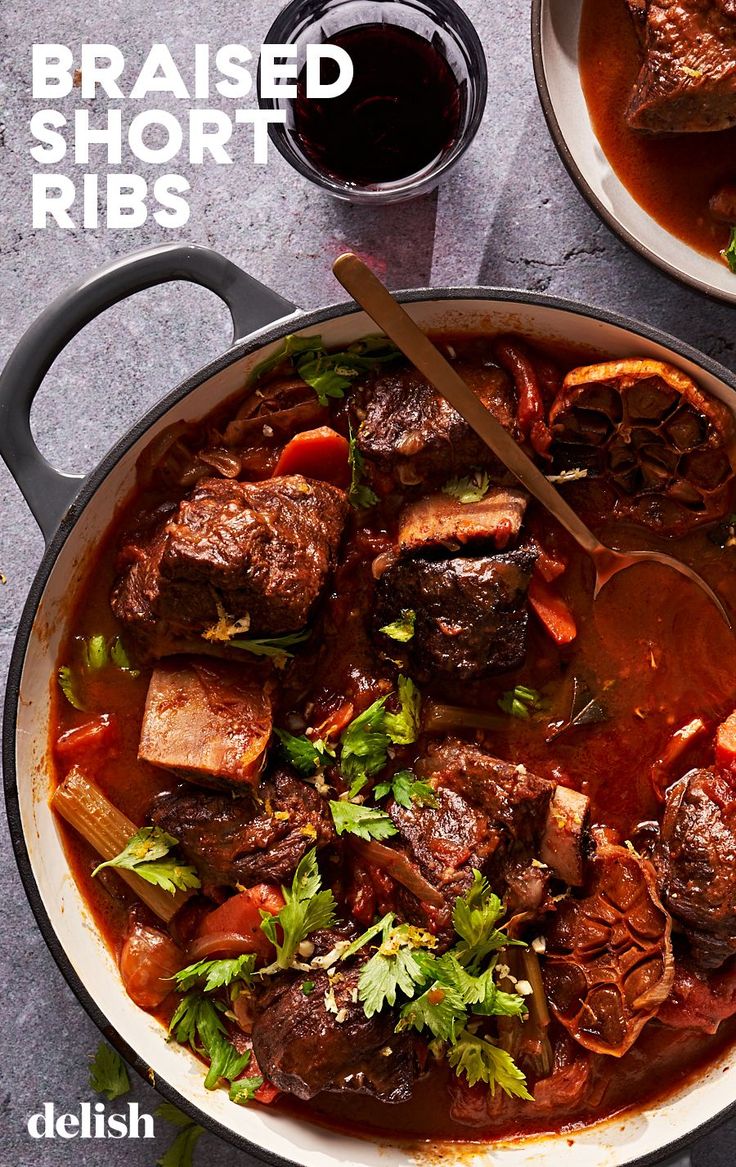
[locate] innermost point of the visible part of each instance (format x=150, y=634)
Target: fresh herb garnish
x=330, y=374
x=180, y=1153
x=359, y=495
x=403, y=727
x=120, y=658
x=406, y=789
x=729, y=252
x=367, y=822
x=468, y=490
x=198, y=1023
x=245, y=1089
x=307, y=909
x=108, y=1074
x=96, y=653
x=274, y=646
x=443, y=994
x=365, y=745
x=393, y=968
x=65, y=678
x=306, y=755
x=216, y=974
x=475, y=918
x=520, y=702
x=403, y=628
x=481, y=1061
x=147, y=854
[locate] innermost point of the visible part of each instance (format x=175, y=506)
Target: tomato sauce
x=651, y=649
x=671, y=176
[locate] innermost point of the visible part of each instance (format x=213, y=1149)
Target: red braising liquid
x=402, y=111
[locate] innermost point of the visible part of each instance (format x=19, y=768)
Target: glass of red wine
x=414, y=105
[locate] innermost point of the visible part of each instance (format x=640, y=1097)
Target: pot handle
x=48, y=492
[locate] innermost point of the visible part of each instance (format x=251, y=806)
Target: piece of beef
x=687, y=83
x=408, y=434
x=209, y=721
x=490, y=816
x=471, y=614
x=307, y=1043
x=255, y=552
x=696, y=863
x=259, y=838
x=699, y=1000
x=437, y=520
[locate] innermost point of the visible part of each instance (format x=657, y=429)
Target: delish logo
x=91, y=1122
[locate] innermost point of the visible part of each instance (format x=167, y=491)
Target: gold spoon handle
x=375, y=299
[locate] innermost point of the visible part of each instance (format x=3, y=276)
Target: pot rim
x=242, y=348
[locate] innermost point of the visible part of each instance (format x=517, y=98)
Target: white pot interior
x=560, y=24
x=609, y=1144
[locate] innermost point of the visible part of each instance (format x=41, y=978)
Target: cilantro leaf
x=474, y=918
x=393, y=968
x=96, y=655
x=147, y=854
x=291, y=346
x=729, y=252
x=120, y=658
x=181, y=1151
x=365, y=745
x=440, y=1009
x=520, y=702
x=65, y=677
x=403, y=628
x=197, y=1022
x=382, y=926
x=403, y=727
x=216, y=974
x=481, y=1061
x=305, y=755
x=359, y=495
x=329, y=373
x=273, y=646
x=108, y=1074
x=468, y=490
x=478, y=990
x=170, y=1113
x=307, y=909
x=367, y=822
x=244, y=1090
x=406, y=790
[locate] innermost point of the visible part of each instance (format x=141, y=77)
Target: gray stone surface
x=509, y=216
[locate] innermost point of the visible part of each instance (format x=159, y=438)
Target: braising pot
x=73, y=513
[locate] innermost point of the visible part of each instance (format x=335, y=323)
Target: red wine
x=402, y=111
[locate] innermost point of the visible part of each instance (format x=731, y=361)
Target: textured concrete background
x=510, y=216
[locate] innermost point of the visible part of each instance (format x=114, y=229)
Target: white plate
x=555, y=29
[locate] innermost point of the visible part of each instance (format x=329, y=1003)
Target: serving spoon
x=376, y=300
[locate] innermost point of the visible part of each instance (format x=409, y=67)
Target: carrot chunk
x=553, y=612
x=726, y=742
x=321, y=453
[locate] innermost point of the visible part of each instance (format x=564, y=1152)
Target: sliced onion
x=221, y=945
x=226, y=463
x=400, y=868
x=148, y=961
